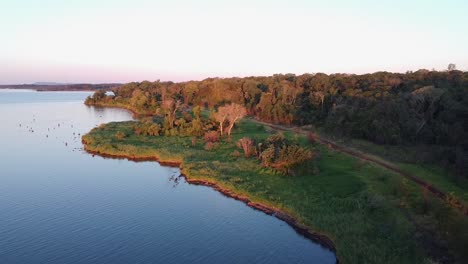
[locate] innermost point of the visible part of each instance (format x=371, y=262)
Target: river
x=59, y=204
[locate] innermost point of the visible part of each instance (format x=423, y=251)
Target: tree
x=320, y=95
x=236, y=112
x=451, y=67
x=138, y=99
x=196, y=111
x=99, y=95
x=425, y=101
x=221, y=116
x=171, y=106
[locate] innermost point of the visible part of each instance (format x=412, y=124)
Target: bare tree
x=221, y=116
x=236, y=112
x=320, y=95
x=426, y=100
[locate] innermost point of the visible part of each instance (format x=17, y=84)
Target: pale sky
x=134, y=40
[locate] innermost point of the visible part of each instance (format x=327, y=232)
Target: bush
x=278, y=153
x=246, y=144
x=290, y=157
x=211, y=136
x=375, y=202
x=147, y=129
x=267, y=156
x=120, y=135
x=210, y=146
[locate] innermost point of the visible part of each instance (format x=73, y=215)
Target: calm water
x=59, y=204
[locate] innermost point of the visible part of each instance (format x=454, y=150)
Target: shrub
x=375, y=202
x=120, y=135
x=147, y=129
x=290, y=157
x=211, y=136
x=246, y=144
x=278, y=153
x=209, y=146
x=277, y=140
x=267, y=156
x=153, y=130
x=196, y=128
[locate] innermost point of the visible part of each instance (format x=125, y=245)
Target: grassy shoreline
x=370, y=214
x=125, y=106
x=434, y=176
x=267, y=209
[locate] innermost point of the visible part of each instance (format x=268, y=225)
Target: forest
x=422, y=108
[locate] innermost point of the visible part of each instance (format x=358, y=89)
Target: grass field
x=371, y=214
x=410, y=159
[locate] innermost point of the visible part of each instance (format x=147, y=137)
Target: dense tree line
x=422, y=107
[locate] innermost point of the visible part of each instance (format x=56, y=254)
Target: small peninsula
x=351, y=198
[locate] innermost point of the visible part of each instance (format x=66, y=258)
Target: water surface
x=59, y=204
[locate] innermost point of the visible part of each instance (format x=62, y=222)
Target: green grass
x=122, y=104
x=438, y=177
x=371, y=214
x=408, y=159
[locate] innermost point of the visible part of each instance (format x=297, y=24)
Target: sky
x=96, y=41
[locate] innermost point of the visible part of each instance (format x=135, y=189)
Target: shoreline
x=301, y=229
x=134, y=113
x=47, y=90
x=444, y=196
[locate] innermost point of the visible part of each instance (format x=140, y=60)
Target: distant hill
x=51, y=83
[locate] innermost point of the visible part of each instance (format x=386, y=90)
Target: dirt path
x=371, y=158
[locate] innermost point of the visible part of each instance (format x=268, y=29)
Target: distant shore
x=62, y=87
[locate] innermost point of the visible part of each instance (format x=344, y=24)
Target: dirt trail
x=371, y=158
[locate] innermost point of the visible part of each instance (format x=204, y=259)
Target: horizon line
x=60, y=83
